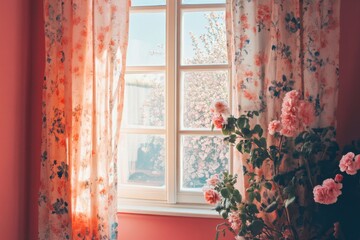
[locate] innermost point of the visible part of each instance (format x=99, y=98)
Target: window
x=176, y=66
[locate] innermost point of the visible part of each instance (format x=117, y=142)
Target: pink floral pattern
x=278, y=46
x=275, y=47
x=83, y=89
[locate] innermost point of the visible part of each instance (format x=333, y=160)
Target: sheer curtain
x=83, y=90
x=277, y=46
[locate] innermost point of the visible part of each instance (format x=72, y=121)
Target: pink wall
x=37, y=64
x=20, y=125
x=349, y=87
x=136, y=227
x=14, y=71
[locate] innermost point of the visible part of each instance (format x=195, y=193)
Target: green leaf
x=258, y=129
x=257, y=196
x=251, y=196
x=225, y=131
x=247, y=146
x=237, y=196
x=272, y=207
x=256, y=227
x=232, y=138
x=257, y=142
x=246, y=132
x=224, y=192
x=261, y=131
x=268, y=185
x=239, y=147
x=252, y=208
x=299, y=138
x=263, y=142
x=218, y=207
x=260, y=142
x=224, y=214
x=243, y=122
x=289, y=201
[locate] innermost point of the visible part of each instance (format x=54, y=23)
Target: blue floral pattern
x=83, y=91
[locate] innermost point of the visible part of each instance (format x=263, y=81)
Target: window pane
x=146, y=39
x=142, y=159
x=202, y=1
x=201, y=157
x=199, y=89
x=135, y=3
x=144, y=100
x=203, y=38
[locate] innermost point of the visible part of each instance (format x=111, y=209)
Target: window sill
x=166, y=209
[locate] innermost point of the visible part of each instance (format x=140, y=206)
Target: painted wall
x=14, y=71
x=348, y=111
x=136, y=227
x=36, y=76
x=21, y=74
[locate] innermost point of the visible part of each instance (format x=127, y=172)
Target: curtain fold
x=83, y=90
x=277, y=46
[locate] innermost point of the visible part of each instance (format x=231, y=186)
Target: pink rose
x=290, y=125
x=295, y=114
x=218, y=121
x=234, y=220
x=211, y=196
x=293, y=94
x=220, y=107
x=291, y=101
x=289, y=114
x=338, y=178
x=349, y=163
x=328, y=192
x=306, y=113
x=357, y=161
x=274, y=126
x=213, y=180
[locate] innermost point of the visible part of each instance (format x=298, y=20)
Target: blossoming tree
x=202, y=156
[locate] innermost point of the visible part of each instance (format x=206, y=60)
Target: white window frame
x=170, y=200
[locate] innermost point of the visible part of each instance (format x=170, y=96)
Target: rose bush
x=291, y=199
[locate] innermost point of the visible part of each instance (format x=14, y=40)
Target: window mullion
x=143, y=131
x=171, y=42
x=145, y=9
x=203, y=7
x=142, y=69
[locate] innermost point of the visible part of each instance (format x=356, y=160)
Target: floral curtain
x=83, y=90
x=277, y=46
